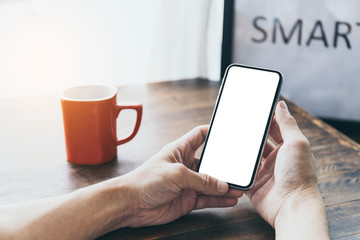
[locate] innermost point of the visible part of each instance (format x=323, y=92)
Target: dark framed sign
x=316, y=44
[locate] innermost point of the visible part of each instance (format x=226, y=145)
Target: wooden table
x=33, y=161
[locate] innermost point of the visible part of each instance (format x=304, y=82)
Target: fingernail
x=283, y=105
x=222, y=187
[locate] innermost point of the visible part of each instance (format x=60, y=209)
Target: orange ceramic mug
x=89, y=114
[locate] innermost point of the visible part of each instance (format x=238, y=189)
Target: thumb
x=195, y=137
x=288, y=127
x=205, y=184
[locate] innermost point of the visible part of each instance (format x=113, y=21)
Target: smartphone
x=239, y=124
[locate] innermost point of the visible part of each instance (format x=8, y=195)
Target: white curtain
x=188, y=40
x=48, y=45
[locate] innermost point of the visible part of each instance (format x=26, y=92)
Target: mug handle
x=138, y=108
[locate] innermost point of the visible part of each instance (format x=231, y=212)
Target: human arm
x=285, y=192
x=163, y=189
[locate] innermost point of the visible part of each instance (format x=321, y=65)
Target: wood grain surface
x=33, y=160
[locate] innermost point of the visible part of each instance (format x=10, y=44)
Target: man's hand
x=285, y=192
x=167, y=186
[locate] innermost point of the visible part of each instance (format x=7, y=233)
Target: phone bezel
x=264, y=138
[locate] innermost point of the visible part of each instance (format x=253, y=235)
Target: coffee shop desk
x=33, y=160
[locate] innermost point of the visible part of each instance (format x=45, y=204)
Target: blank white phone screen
x=239, y=125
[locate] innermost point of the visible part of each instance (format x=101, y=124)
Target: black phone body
x=239, y=124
